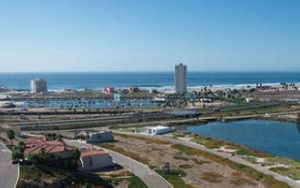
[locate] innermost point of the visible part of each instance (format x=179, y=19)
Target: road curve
x=8, y=172
x=149, y=177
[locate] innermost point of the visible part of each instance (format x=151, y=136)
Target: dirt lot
x=279, y=94
x=200, y=172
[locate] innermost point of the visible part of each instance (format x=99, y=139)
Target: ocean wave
x=195, y=87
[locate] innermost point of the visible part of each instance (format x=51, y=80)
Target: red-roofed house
x=94, y=159
x=35, y=146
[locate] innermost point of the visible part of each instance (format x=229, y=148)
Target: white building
x=94, y=159
x=158, y=130
x=92, y=136
x=180, y=78
x=38, y=86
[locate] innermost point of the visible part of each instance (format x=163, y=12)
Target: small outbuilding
x=95, y=136
x=94, y=160
x=157, y=130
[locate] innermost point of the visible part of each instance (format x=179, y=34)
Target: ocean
x=58, y=81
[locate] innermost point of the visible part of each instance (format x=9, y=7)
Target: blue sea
x=57, y=81
x=277, y=138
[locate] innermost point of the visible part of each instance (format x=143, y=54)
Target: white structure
x=38, y=86
x=180, y=78
x=94, y=159
x=158, y=130
x=95, y=136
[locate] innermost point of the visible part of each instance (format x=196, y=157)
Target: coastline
x=161, y=88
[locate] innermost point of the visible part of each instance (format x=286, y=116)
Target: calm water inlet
x=277, y=138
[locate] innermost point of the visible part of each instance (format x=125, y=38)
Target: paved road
x=149, y=177
x=8, y=171
x=259, y=168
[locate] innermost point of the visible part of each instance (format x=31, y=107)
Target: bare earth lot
x=200, y=172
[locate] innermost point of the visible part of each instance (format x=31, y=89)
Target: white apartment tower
x=180, y=78
x=38, y=86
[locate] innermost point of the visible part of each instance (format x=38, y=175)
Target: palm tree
x=76, y=154
x=22, y=147
x=11, y=135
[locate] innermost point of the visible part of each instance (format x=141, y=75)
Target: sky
x=149, y=35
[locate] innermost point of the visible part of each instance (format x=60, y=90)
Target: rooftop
x=35, y=146
x=159, y=127
x=90, y=153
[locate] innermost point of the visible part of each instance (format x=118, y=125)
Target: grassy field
x=175, y=178
x=136, y=182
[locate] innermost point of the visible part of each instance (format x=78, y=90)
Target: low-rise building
x=36, y=146
x=94, y=159
x=157, y=130
x=92, y=136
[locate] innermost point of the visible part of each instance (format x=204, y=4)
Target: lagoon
x=277, y=138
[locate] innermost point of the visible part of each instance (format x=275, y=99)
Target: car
x=15, y=161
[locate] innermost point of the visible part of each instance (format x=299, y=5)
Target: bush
x=17, y=154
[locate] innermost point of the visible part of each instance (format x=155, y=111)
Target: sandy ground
x=158, y=154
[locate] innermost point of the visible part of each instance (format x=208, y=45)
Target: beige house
x=94, y=159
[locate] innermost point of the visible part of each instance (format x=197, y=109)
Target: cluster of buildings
x=39, y=85
x=90, y=159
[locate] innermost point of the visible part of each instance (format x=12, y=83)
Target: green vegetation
x=53, y=160
x=268, y=181
x=251, y=152
x=42, y=176
x=21, y=147
x=291, y=170
x=214, y=143
x=241, y=181
x=17, y=154
x=258, y=110
x=286, y=172
x=185, y=166
x=181, y=156
x=136, y=182
x=175, y=178
x=10, y=135
x=240, y=150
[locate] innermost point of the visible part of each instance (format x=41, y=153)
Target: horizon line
x=95, y=72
